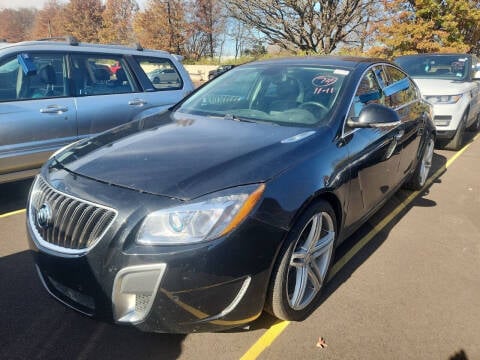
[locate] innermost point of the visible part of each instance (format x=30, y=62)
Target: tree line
x=202, y=28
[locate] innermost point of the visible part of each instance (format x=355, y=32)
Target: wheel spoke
x=314, y=277
x=314, y=234
x=323, y=245
x=300, y=287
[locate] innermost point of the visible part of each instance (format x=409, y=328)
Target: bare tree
x=207, y=20
x=305, y=25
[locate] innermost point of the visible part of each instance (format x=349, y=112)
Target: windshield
x=278, y=94
x=454, y=67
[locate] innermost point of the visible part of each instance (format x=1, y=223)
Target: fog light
x=134, y=291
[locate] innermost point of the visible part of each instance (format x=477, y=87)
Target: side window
x=381, y=75
x=405, y=94
x=48, y=79
x=368, y=92
x=162, y=73
x=9, y=69
x=100, y=75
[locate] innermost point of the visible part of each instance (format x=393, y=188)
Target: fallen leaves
x=321, y=343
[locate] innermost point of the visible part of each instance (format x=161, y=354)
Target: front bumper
x=210, y=286
x=447, y=118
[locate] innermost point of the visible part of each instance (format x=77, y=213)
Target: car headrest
x=47, y=74
x=101, y=74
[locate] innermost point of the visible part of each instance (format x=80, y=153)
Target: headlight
x=443, y=99
x=200, y=221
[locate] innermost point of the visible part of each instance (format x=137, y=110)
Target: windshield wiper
x=236, y=118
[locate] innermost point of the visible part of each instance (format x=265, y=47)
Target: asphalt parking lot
x=405, y=286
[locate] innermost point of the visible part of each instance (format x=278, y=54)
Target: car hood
x=442, y=86
x=186, y=157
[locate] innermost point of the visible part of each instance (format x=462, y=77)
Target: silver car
x=53, y=93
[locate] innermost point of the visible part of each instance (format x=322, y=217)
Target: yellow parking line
x=275, y=330
x=265, y=340
x=12, y=213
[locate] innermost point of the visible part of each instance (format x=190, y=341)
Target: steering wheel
x=315, y=104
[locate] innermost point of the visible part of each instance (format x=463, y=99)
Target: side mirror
x=375, y=116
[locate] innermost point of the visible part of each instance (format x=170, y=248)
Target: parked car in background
x=234, y=200
x=55, y=92
x=451, y=83
x=218, y=71
x=164, y=77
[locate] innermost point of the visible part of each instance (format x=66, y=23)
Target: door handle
x=399, y=134
x=137, y=102
x=54, y=109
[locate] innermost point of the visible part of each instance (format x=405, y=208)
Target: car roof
x=350, y=62
x=433, y=54
x=70, y=44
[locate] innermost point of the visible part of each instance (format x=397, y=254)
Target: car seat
x=287, y=95
x=46, y=75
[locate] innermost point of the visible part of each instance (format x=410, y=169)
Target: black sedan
x=231, y=202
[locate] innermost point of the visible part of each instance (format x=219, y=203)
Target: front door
x=37, y=114
x=374, y=155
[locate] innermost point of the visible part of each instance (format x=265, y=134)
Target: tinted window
x=47, y=81
x=162, y=73
x=436, y=66
x=99, y=75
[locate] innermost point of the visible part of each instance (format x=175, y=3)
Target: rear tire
x=457, y=141
x=303, y=264
x=420, y=175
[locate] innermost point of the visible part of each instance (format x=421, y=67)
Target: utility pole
x=170, y=25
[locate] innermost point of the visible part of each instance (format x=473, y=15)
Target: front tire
x=303, y=264
x=457, y=141
x=420, y=175
x=476, y=125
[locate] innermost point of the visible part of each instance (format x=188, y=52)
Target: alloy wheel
x=310, y=260
x=426, y=161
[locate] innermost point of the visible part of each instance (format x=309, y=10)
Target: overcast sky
x=35, y=3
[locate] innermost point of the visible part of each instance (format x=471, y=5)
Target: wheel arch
x=327, y=196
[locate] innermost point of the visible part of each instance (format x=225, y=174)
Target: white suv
x=55, y=92
x=450, y=83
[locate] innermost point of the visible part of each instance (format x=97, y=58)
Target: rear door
x=37, y=112
x=164, y=86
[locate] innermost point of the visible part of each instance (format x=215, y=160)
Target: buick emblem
x=44, y=216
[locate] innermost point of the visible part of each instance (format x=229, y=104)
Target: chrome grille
x=71, y=225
